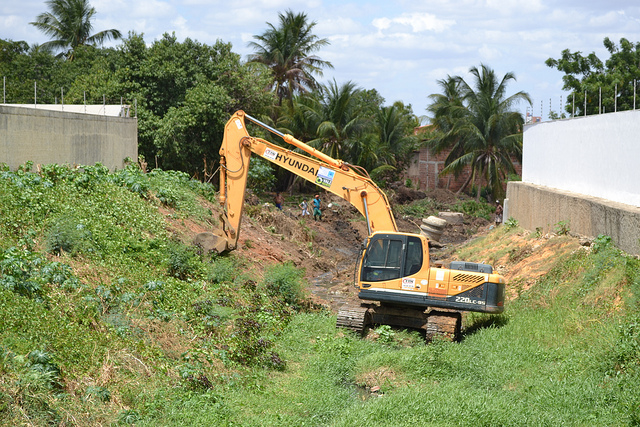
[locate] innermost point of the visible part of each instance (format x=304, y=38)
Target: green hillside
x=108, y=316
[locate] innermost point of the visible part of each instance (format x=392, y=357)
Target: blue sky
x=400, y=48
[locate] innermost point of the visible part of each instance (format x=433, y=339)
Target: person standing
x=305, y=208
x=278, y=200
x=317, y=213
x=498, y=213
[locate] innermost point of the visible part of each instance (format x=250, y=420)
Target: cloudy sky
x=401, y=48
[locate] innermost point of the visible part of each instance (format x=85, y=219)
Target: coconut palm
x=395, y=125
x=478, y=123
x=287, y=51
x=69, y=25
x=339, y=119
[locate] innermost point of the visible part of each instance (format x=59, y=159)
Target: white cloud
x=488, y=54
x=418, y=22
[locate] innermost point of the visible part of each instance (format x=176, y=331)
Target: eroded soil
x=328, y=249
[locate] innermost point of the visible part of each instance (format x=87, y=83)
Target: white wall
x=596, y=155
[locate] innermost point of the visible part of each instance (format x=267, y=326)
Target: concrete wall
x=594, y=155
x=46, y=137
x=583, y=171
x=537, y=206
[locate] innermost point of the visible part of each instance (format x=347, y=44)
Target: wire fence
x=598, y=101
x=46, y=98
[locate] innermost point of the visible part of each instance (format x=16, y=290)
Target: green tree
x=395, y=126
x=482, y=129
x=287, y=51
x=613, y=81
x=339, y=119
x=185, y=93
x=68, y=23
x=24, y=65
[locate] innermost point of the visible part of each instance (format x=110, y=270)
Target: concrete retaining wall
x=46, y=137
x=583, y=171
x=594, y=155
x=538, y=206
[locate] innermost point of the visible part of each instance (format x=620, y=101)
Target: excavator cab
x=390, y=256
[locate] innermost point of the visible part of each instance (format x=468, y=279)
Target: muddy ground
x=328, y=249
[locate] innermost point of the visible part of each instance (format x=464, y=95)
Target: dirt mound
x=327, y=249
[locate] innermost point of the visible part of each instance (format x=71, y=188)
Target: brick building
x=425, y=167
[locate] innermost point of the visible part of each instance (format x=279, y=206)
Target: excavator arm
x=349, y=182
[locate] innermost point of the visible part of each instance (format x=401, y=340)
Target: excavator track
x=356, y=318
x=443, y=323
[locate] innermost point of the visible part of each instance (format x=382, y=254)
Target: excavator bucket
x=212, y=242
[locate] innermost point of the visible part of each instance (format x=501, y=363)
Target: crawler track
x=356, y=318
x=443, y=323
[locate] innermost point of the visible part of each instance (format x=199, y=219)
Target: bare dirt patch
x=328, y=249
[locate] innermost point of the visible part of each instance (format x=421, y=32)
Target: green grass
x=107, y=318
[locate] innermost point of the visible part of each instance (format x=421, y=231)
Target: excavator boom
x=346, y=181
x=393, y=269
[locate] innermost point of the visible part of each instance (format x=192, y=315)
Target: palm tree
x=69, y=25
x=394, y=126
x=446, y=109
x=287, y=50
x=339, y=120
x=480, y=127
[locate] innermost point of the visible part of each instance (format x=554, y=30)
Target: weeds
x=511, y=223
x=285, y=281
x=116, y=322
x=562, y=228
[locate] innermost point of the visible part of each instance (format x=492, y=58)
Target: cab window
x=383, y=260
x=413, y=260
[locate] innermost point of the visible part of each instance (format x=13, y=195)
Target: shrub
x=25, y=273
x=261, y=177
x=476, y=209
x=180, y=261
x=285, y=281
x=562, y=228
x=511, y=223
x=250, y=348
x=68, y=235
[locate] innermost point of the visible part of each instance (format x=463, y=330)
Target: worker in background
x=317, y=213
x=305, y=208
x=278, y=200
x=498, y=213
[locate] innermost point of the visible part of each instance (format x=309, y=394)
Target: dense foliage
x=91, y=279
x=609, y=86
x=478, y=124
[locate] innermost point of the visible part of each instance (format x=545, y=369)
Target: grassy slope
x=143, y=330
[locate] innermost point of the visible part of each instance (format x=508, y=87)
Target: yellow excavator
x=393, y=272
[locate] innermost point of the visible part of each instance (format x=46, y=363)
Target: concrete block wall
x=426, y=166
x=582, y=171
x=544, y=207
x=45, y=137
